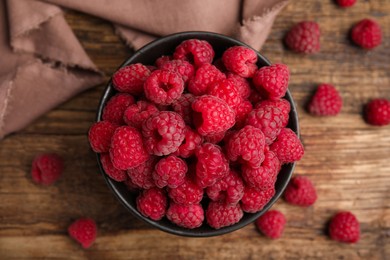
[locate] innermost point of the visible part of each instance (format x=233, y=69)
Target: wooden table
x=348, y=160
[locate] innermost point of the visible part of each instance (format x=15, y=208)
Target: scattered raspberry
x=187, y=193
x=377, y=112
x=182, y=106
x=137, y=113
x=272, y=81
x=242, y=112
x=255, y=199
x=47, y=168
x=110, y=170
x=304, y=37
x=203, y=78
x=241, y=84
x=219, y=215
x=240, y=60
x=142, y=175
x=163, y=59
x=170, y=171
x=367, y=34
x=229, y=189
x=287, y=146
x=227, y=91
x=192, y=140
x=326, y=101
x=195, y=51
x=344, y=227
x=271, y=224
x=183, y=68
x=130, y=79
x=282, y=104
x=187, y=216
x=115, y=108
x=163, y=133
x=163, y=87
x=214, y=138
x=300, y=191
x=84, y=231
x=346, y=3
x=100, y=135
x=152, y=203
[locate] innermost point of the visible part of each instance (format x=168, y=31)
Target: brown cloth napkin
x=42, y=63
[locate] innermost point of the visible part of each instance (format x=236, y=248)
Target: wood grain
x=346, y=159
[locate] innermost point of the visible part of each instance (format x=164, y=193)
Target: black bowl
x=147, y=55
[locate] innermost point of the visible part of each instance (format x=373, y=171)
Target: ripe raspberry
x=142, y=175
x=304, y=37
x=219, y=215
x=47, y=168
x=115, y=108
x=100, y=135
x=160, y=61
x=242, y=85
x=346, y=3
x=272, y=81
x=163, y=87
x=344, y=227
x=271, y=224
x=170, y=171
x=127, y=150
x=110, y=170
x=192, y=140
x=130, y=79
x=287, y=146
x=301, y=192
x=182, y=106
x=247, y=146
x=255, y=199
x=84, y=231
x=183, y=68
x=242, y=112
x=195, y=51
x=203, y=78
x=227, y=91
x=229, y=189
x=187, y=193
x=212, y=115
x=214, y=138
x=282, y=104
x=367, y=34
x=163, y=133
x=326, y=101
x=211, y=165
x=240, y=60
x=377, y=112
x=187, y=216
x=137, y=113
x=152, y=203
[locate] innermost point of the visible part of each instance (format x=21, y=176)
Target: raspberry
x=300, y=191
x=242, y=85
x=287, y=146
x=100, y=135
x=47, y=168
x=163, y=133
x=212, y=115
x=110, y=170
x=160, y=61
x=271, y=224
x=255, y=199
x=192, y=140
x=377, y=112
x=344, y=227
x=170, y=171
x=367, y=34
x=346, y=3
x=163, y=87
x=115, y=108
x=203, y=78
x=214, y=138
x=229, y=189
x=195, y=51
x=242, y=112
x=219, y=215
x=240, y=60
x=127, y=150
x=282, y=104
x=304, y=37
x=226, y=90
x=211, y=164
x=183, y=68
x=130, y=79
x=137, y=113
x=84, y=231
x=272, y=81
x=326, y=101
x=247, y=146
x=182, y=106
x=187, y=193
x=152, y=203
x=142, y=175
x=187, y=216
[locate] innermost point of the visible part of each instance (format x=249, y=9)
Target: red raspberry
x=182, y=106
x=367, y=34
x=47, y=168
x=187, y=193
x=214, y=138
x=203, y=78
x=192, y=140
x=130, y=79
x=152, y=203
x=272, y=81
x=100, y=135
x=110, y=170
x=287, y=146
x=326, y=101
x=195, y=51
x=183, y=68
x=304, y=37
x=301, y=192
x=160, y=61
x=170, y=171
x=219, y=214
x=255, y=199
x=212, y=115
x=240, y=60
x=282, y=104
x=163, y=87
x=229, y=189
x=242, y=85
x=227, y=91
x=115, y=108
x=271, y=224
x=127, y=150
x=211, y=164
x=84, y=231
x=344, y=227
x=187, y=216
x=163, y=133
x=247, y=146
x=142, y=175
x=242, y=112
x=377, y=112
x=137, y=113
x=346, y=3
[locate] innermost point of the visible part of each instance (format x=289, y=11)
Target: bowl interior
x=147, y=55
